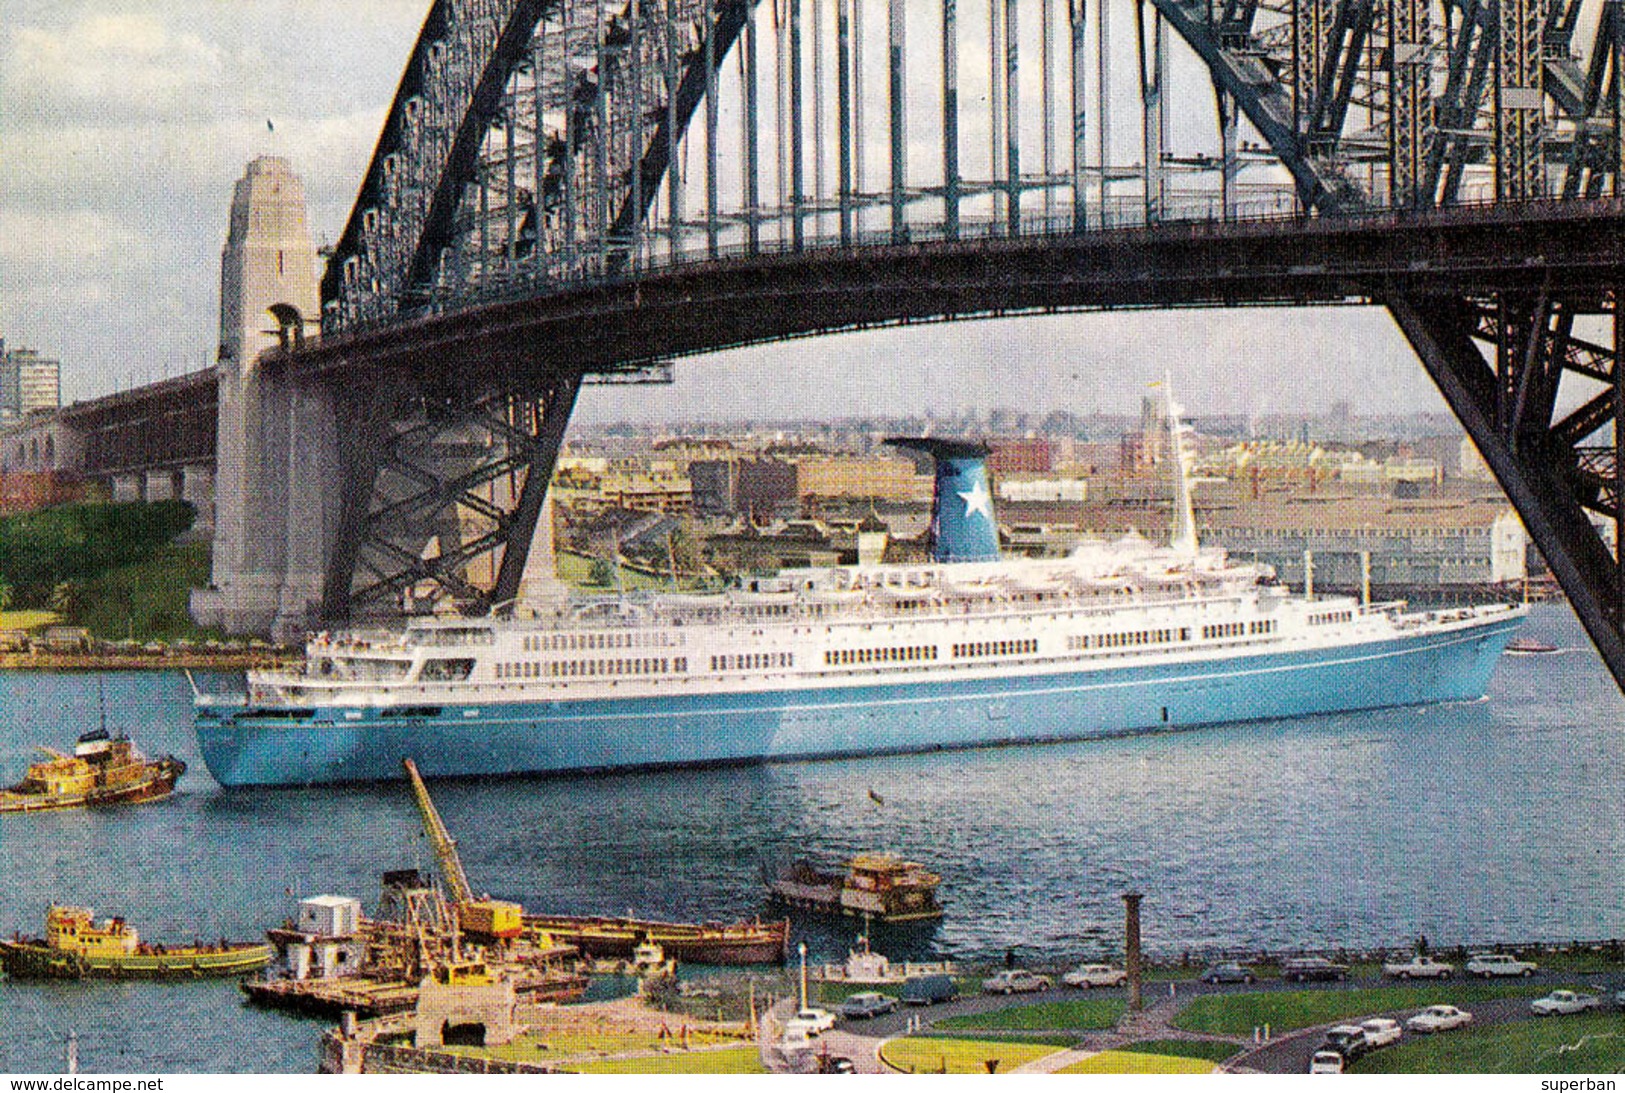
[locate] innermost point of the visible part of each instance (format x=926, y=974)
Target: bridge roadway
x=1573, y=248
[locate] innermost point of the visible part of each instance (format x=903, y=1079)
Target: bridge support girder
x=1548, y=475
x=441, y=491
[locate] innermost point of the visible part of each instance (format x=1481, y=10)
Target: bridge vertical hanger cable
x=1078, y=24
x=798, y=196
x=1046, y=95
x=817, y=10
x=843, y=114
x=996, y=103
x=1012, y=113
x=708, y=27
x=1103, y=110
x=860, y=134
x=950, y=118
x=751, y=136
x=896, y=44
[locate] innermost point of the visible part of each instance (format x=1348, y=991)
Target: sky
x=123, y=127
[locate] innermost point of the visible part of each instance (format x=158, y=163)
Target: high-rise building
x=28, y=382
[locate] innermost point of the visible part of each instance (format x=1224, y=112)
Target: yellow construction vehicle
x=484, y=919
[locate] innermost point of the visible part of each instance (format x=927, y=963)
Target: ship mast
x=1184, y=538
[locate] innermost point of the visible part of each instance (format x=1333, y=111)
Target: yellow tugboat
x=76, y=946
x=103, y=770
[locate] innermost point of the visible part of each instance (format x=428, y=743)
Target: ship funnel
x=962, y=527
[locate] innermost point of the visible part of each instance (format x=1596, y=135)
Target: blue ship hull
x=247, y=747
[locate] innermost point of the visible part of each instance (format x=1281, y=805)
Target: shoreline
x=172, y=661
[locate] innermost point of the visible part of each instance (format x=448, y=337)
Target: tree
x=5, y=595
x=686, y=547
x=601, y=572
x=66, y=598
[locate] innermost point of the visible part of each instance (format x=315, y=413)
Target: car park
x=1303, y=969
x=928, y=990
x=1559, y=1002
x=1492, y=965
x=1227, y=973
x=1421, y=967
x=868, y=1004
x=1381, y=1031
x=1016, y=981
x=1326, y=1062
x=1438, y=1019
x=1095, y=975
x=1347, y=1040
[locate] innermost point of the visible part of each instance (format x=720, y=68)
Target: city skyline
x=132, y=127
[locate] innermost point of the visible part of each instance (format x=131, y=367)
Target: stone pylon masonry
x=275, y=486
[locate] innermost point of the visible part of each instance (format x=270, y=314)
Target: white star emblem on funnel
x=977, y=500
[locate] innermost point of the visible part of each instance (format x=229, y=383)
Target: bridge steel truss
x=540, y=149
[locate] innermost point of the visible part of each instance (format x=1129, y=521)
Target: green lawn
x=1125, y=1061
x=1239, y=1014
x=1585, y=1043
x=1214, y=1051
x=1082, y=1013
x=924, y=1055
x=732, y=1060
x=26, y=620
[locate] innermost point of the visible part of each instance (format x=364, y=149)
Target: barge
x=879, y=888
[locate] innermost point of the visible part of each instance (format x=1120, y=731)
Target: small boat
x=754, y=942
x=103, y=770
x=1526, y=647
x=76, y=946
x=878, y=887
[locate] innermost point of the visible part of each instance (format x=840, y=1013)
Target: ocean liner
x=965, y=650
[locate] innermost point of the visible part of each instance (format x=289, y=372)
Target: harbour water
x=1473, y=822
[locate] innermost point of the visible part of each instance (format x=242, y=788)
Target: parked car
x=1381, y=1031
x=836, y=1064
x=1438, y=1019
x=1565, y=1002
x=1421, y=967
x=1227, y=973
x=812, y=1019
x=1619, y=998
x=1302, y=969
x=867, y=1004
x=1347, y=1040
x=1326, y=1062
x=1019, y=980
x=928, y=990
x=1095, y=975
x=1488, y=965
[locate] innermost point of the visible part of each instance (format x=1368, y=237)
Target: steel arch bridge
x=548, y=166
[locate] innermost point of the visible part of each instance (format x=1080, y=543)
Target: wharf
x=368, y=998
x=172, y=660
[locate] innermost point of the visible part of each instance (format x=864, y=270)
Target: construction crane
x=445, y=847
x=485, y=917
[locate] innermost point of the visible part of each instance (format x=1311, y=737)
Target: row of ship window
x=996, y=648
x=1132, y=637
x=728, y=662
x=903, y=654
x=1239, y=629
x=575, y=669
x=552, y=643
x=1326, y=617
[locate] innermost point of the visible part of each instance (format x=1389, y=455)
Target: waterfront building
x=1421, y=544
x=29, y=383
